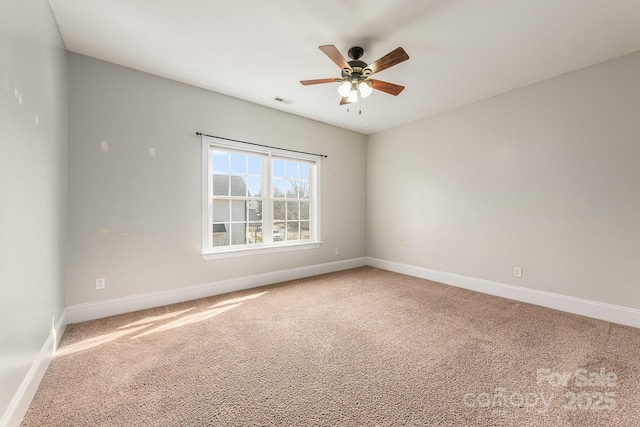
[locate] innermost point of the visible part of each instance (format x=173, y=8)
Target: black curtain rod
x=259, y=145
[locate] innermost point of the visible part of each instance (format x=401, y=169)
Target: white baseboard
x=96, y=310
x=18, y=406
x=597, y=310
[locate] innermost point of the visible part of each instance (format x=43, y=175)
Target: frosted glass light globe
x=344, y=88
x=365, y=89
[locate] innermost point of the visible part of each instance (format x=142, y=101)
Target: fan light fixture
x=344, y=88
x=353, y=96
x=365, y=89
x=350, y=90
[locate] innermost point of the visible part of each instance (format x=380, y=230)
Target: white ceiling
x=461, y=50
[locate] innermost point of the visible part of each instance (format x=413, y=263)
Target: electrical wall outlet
x=337, y=251
x=101, y=282
x=517, y=272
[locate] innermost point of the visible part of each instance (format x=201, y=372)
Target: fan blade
x=391, y=88
x=344, y=101
x=318, y=81
x=389, y=60
x=334, y=54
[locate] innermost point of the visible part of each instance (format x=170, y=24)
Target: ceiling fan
x=356, y=81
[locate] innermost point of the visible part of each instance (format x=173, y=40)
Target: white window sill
x=284, y=247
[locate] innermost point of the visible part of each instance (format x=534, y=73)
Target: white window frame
x=209, y=252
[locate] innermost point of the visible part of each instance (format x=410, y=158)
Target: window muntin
x=258, y=199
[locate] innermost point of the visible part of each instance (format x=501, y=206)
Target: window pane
x=238, y=163
x=292, y=190
x=255, y=186
x=221, y=211
x=220, y=161
x=254, y=208
x=278, y=231
x=220, y=235
x=304, y=230
x=279, y=188
x=292, y=169
x=303, y=189
x=238, y=186
x=293, y=211
x=279, y=211
x=303, y=169
x=304, y=211
x=239, y=234
x=255, y=165
x=220, y=185
x=238, y=210
x=293, y=231
x=254, y=233
x=278, y=168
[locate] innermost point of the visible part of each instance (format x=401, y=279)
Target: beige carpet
x=363, y=347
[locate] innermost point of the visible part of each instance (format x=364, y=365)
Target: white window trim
x=232, y=253
x=229, y=252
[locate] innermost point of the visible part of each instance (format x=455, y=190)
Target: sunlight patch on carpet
x=187, y=320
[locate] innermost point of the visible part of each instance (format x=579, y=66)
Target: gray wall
x=545, y=177
x=136, y=220
x=33, y=182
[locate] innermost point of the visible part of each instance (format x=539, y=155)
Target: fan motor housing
x=356, y=63
x=355, y=53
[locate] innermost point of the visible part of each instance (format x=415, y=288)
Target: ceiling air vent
x=283, y=100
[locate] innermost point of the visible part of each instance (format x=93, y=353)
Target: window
x=257, y=200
